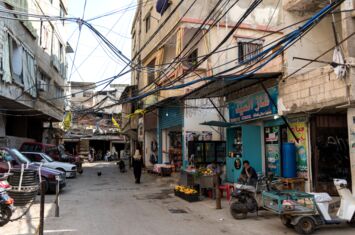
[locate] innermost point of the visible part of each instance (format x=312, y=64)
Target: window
x=206, y=152
x=147, y=22
x=42, y=82
x=61, y=53
x=45, y=36
x=151, y=71
x=16, y=51
x=247, y=49
x=192, y=59
x=162, y=6
x=33, y=157
x=88, y=93
x=62, y=12
x=58, y=91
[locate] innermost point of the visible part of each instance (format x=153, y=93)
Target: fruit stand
x=202, y=179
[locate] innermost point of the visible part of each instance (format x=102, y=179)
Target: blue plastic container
x=289, y=163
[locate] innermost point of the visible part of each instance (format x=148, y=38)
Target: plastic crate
x=187, y=197
x=166, y=171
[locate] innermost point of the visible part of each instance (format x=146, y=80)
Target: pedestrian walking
x=137, y=166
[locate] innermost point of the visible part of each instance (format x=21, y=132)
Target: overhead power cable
x=193, y=38
x=282, y=45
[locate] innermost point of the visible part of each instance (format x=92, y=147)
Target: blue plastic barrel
x=289, y=163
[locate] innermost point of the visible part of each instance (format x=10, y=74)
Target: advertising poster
x=273, y=159
x=272, y=150
x=299, y=126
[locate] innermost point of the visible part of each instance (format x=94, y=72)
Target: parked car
x=68, y=168
x=55, y=152
x=15, y=158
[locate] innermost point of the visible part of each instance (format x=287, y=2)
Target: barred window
x=248, y=49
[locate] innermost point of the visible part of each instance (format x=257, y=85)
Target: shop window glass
x=221, y=152
x=210, y=152
x=199, y=153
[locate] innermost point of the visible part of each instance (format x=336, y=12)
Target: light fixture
x=167, y=114
x=276, y=116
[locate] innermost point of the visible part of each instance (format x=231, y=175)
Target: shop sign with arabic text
x=253, y=106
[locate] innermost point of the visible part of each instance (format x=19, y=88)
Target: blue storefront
x=170, y=141
x=245, y=136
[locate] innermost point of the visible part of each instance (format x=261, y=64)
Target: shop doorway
x=330, y=151
x=71, y=147
x=118, y=147
x=100, y=147
x=172, y=146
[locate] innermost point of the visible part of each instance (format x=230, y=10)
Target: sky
x=92, y=65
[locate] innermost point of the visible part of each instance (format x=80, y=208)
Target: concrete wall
x=28, y=33
x=312, y=90
x=313, y=44
x=14, y=142
x=149, y=136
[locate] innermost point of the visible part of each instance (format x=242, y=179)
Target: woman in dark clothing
x=137, y=166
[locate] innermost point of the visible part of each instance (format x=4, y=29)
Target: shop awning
x=223, y=87
x=218, y=124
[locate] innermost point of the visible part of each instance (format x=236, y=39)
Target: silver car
x=69, y=169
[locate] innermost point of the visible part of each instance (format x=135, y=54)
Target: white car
x=69, y=169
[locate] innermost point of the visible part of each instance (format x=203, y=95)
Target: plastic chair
x=227, y=188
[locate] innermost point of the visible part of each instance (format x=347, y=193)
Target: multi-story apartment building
x=33, y=69
x=259, y=115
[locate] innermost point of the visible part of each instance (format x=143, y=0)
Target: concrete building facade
x=315, y=99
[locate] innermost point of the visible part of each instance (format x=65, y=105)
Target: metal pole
x=218, y=193
x=57, y=200
x=219, y=112
x=41, y=215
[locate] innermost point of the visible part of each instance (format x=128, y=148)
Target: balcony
x=305, y=5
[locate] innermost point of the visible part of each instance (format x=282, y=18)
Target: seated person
x=248, y=175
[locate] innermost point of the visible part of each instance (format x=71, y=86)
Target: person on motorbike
x=248, y=175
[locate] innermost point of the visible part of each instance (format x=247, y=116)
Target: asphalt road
x=113, y=205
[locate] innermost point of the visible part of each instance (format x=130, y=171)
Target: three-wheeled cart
x=297, y=210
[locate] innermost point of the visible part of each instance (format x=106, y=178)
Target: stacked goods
x=186, y=193
x=24, y=189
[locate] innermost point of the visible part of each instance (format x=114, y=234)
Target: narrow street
x=112, y=204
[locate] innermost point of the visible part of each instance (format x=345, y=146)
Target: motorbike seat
x=248, y=188
x=322, y=197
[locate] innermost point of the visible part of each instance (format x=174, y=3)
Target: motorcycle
x=6, y=202
x=244, y=198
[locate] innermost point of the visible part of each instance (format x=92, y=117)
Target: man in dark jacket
x=248, y=175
